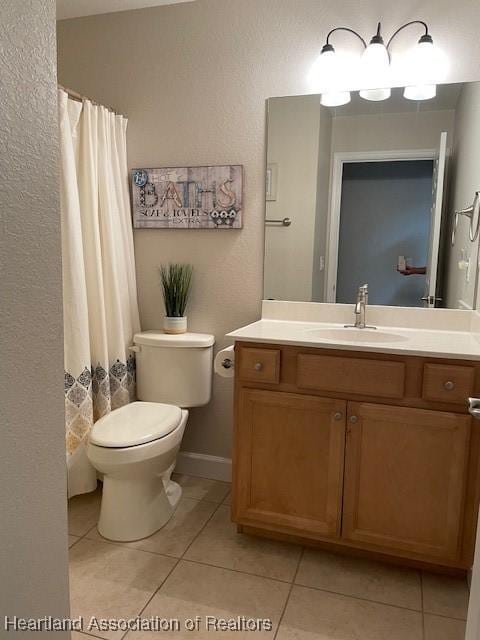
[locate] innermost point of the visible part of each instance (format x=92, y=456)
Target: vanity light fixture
x=422, y=68
x=423, y=63
x=375, y=69
x=331, y=73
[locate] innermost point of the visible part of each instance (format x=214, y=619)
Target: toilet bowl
x=135, y=448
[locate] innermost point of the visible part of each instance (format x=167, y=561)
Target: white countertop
x=437, y=342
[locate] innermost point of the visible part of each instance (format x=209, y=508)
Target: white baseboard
x=204, y=466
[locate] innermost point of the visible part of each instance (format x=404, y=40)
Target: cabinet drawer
x=260, y=365
x=447, y=383
x=380, y=378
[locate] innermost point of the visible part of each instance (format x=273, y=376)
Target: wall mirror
x=373, y=192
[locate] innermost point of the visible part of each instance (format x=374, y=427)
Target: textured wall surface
x=193, y=79
x=33, y=529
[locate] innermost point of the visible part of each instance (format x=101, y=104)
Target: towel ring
x=473, y=213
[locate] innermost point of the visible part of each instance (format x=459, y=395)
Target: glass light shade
x=420, y=92
x=375, y=95
x=335, y=98
x=328, y=70
x=375, y=70
x=423, y=67
x=333, y=72
x=426, y=64
x=426, y=67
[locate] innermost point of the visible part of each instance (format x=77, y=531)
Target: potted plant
x=176, y=282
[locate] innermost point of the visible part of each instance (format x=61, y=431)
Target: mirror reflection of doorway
x=385, y=213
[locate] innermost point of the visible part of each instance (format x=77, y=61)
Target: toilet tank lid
x=160, y=339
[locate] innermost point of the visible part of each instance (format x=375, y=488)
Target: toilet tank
x=174, y=369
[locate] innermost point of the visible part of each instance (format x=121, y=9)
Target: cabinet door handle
x=474, y=407
x=258, y=366
x=449, y=385
x=353, y=419
x=337, y=416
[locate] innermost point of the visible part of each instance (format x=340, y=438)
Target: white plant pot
x=175, y=325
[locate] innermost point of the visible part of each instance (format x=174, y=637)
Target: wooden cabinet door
x=405, y=475
x=289, y=455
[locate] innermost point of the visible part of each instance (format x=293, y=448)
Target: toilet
x=135, y=447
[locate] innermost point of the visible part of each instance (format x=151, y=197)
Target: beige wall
x=33, y=529
x=193, y=79
x=293, y=132
x=464, y=181
x=391, y=131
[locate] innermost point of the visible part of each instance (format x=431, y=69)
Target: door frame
x=333, y=218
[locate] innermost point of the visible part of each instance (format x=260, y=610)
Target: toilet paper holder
x=228, y=363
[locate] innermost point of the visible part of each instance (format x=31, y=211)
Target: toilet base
x=135, y=510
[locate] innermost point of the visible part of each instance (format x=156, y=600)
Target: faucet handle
x=363, y=292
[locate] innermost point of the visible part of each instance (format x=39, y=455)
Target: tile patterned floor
x=198, y=565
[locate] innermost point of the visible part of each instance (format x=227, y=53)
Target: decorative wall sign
x=188, y=197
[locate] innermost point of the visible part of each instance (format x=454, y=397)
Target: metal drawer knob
x=353, y=419
x=258, y=366
x=449, y=385
x=337, y=416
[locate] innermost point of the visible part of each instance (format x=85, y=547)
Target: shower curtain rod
x=79, y=98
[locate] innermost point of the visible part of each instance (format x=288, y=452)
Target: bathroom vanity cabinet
x=369, y=451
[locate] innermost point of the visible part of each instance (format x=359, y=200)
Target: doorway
x=384, y=219
x=386, y=207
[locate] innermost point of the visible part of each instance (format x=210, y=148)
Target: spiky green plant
x=176, y=282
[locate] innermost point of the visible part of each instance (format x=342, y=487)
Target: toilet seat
x=135, y=424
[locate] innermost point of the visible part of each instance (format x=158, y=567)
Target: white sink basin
x=350, y=334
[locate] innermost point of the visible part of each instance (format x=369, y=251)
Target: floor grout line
x=201, y=530
x=442, y=615
x=245, y=573
x=76, y=542
x=124, y=546
x=154, y=593
x=347, y=595
x=292, y=584
x=178, y=560
x=91, y=635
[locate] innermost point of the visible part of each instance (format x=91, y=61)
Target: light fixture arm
x=346, y=29
x=426, y=36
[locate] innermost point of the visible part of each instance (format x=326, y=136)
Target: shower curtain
x=99, y=288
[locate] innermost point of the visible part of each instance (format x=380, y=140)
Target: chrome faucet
x=360, y=309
